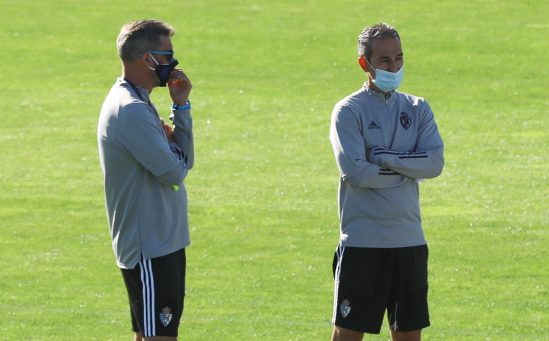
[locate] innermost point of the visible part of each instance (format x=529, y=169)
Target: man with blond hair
x=144, y=162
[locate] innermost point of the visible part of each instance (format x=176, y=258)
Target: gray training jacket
x=145, y=198
x=383, y=147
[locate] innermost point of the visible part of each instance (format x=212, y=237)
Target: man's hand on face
x=180, y=86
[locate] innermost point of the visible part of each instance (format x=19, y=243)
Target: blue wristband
x=186, y=106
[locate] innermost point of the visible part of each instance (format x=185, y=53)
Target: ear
x=143, y=59
x=363, y=63
x=148, y=59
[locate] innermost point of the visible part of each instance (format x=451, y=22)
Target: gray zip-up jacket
x=145, y=198
x=383, y=145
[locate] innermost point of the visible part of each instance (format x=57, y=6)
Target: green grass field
x=263, y=210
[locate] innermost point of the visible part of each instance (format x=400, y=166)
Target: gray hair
x=140, y=36
x=369, y=34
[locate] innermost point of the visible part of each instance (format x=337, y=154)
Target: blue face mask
x=163, y=71
x=388, y=81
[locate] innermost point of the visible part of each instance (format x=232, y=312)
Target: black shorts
x=370, y=281
x=156, y=290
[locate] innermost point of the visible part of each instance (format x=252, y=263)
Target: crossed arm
x=379, y=167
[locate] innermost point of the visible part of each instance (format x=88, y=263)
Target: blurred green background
x=262, y=194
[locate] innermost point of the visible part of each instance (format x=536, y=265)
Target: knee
x=414, y=335
x=342, y=334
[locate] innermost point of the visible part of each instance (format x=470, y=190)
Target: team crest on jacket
x=166, y=316
x=405, y=120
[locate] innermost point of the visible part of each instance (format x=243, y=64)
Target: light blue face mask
x=388, y=81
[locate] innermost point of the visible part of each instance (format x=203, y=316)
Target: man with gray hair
x=384, y=143
x=144, y=162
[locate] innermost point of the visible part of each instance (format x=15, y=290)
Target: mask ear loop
x=154, y=59
x=364, y=65
x=371, y=65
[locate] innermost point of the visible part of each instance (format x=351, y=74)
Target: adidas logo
x=373, y=125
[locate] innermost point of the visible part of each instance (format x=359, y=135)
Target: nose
x=393, y=66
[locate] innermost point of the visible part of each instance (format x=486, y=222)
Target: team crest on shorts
x=405, y=120
x=345, y=308
x=166, y=316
